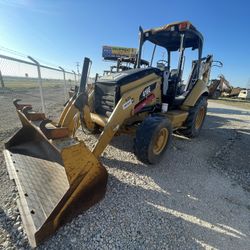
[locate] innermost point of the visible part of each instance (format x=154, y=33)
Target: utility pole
x=77, y=69
x=248, y=84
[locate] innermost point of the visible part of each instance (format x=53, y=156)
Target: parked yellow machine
x=57, y=176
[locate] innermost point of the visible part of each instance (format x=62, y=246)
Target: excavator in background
x=58, y=176
x=221, y=87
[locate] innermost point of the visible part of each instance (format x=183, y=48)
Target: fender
x=198, y=90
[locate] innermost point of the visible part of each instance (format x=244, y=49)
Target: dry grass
x=234, y=102
x=20, y=83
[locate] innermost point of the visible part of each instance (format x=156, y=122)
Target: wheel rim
x=160, y=141
x=200, y=117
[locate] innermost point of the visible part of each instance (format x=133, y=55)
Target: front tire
x=196, y=118
x=152, y=139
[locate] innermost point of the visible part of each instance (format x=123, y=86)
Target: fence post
x=39, y=81
x=1, y=79
x=65, y=87
x=74, y=76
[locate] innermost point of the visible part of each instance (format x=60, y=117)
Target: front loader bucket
x=57, y=176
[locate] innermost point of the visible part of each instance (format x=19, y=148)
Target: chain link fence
x=45, y=87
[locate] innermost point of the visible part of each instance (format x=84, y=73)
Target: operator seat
x=172, y=84
x=165, y=75
x=193, y=77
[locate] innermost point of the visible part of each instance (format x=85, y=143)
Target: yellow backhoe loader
x=58, y=176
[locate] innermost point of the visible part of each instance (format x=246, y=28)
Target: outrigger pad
x=56, y=179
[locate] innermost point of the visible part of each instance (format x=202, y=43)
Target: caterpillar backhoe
x=58, y=176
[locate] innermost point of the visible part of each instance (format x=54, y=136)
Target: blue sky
x=63, y=32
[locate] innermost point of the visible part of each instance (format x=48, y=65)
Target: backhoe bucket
x=57, y=176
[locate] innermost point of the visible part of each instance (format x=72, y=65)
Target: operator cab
x=174, y=37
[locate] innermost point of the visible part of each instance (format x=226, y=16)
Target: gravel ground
x=196, y=198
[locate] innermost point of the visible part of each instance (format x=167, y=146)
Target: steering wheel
x=164, y=62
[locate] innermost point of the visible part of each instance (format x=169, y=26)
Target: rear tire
x=152, y=139
x=196, y=118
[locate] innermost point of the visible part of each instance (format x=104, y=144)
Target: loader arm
x=128, y=105
x=77, y=109
x=73, y=114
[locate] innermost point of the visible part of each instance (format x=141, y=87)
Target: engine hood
x=124, y=77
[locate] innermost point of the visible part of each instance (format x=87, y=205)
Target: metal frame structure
x=157, y=36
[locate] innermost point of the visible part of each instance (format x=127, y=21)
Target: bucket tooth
x=31, y=115
x=52, y=132
x=18, y=105
x=56, y=178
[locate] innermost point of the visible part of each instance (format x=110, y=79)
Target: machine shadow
x=167, y=202
x=123, y=142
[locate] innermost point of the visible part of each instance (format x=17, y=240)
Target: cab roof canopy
x=168, y=36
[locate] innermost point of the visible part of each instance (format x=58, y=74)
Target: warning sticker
x=127, y=103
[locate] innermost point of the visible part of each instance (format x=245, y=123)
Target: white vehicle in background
x=244, y=94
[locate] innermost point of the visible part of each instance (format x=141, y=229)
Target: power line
x=20, y=54
x=11, y=51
